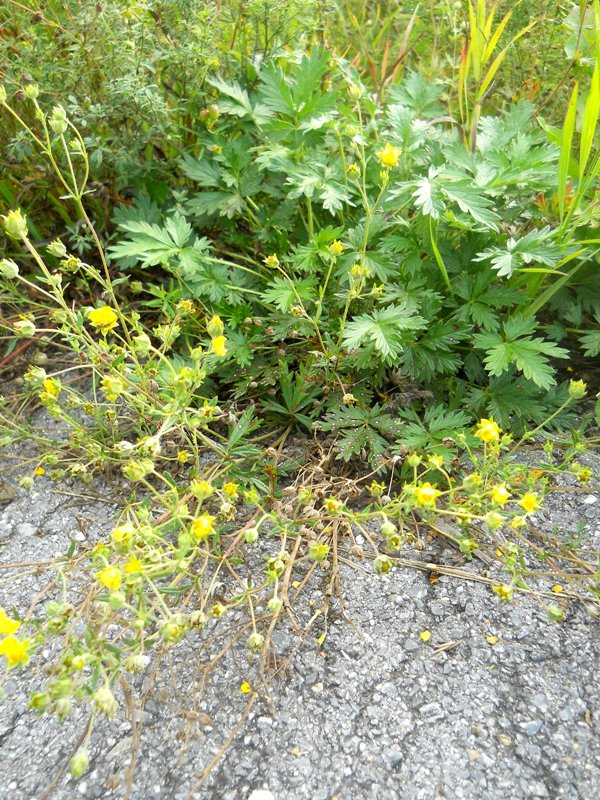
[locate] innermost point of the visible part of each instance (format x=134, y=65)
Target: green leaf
x=204, y=171
x=234, y=100
x=565, y=150
x=590, y=343
x=518, y=348
x=151, y=244
x=383, y=329
x=283, y=294
x=470, y=200
x=427, y=196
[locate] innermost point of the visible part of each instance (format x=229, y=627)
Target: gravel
x=499, y=703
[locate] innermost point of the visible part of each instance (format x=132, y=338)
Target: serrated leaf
x=383, y=329
x=472, y=202
x=590, y=342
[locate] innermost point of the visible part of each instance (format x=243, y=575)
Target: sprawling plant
x=373, y=253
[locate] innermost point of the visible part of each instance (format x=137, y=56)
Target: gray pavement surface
x=371, y=713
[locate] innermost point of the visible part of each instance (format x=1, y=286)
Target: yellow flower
x=183, y=456
x=425, y=636
x=336, y=248
x=504, y=591
x=426, y=494
x=518, y=522
x=218, y=346
x=230, y=489
x=8, y=625
x=488, y=430
x=105, y=319
x=389, y=155
x=112, y=387
x=529, y=502
x=271, y=261
x=500, y=495
x=15, y=651
x=110, y=577
x=133, y=565
x=52, y=387
x=582, y=474
x=39, y=471
x=332, y=505
x=245, y=688
x=203, y=527
x=122, y=534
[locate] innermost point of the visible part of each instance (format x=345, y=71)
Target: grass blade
x=565, y=150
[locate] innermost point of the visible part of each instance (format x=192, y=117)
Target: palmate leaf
x=234, y=100
x=361, y=430
x=517, y=347
x=204, y=278
x=226, y=204
x=590, y=343
x=471, y=201
x=427, y=196
x=205, y=172
x=284, y=294
x=151, y=244
x=537, y=246
x=384, y=329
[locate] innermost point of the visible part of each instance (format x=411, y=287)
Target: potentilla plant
x=336, y=308
x=151, y=582
x=368, y=250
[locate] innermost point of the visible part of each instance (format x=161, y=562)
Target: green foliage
x=426, y=269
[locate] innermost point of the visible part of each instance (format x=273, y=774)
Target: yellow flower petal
x=7, y=625
x=105, y=318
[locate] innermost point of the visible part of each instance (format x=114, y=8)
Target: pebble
x=532, y=726
x=25, y=529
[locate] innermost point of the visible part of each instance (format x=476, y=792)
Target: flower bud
x=251, y=535
x=32, y=90
x=137, y=663
x=413, y=459
x=275, y=605
x=493, y=520
x=15, y=224
x=256, y=641
x=105, y=701
x=79, y=764
x=8, y=269
x=57, y=249
x=577, y=390
x=142, y=344
x=58, y=120
x=215, y=327
x=63, y=708
x=25, y=327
